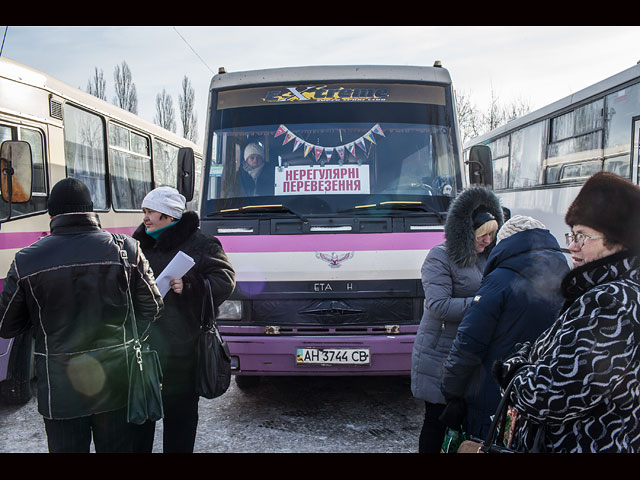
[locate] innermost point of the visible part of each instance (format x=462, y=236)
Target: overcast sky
x=537, y=64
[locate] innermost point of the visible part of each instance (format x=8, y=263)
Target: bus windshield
x=339, y=146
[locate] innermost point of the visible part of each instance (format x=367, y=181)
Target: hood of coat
x=172, y=237
x=537, y=259
x=532, y=253
x=458, y=228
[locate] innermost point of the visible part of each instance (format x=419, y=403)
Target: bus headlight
x=230, y=310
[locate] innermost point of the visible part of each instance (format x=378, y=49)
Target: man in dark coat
x=71, y=287
x=166, y=230
x=518, y=299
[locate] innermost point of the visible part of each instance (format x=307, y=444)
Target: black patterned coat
x=582, y=379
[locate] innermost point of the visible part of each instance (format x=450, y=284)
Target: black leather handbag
x=213, y=375
x=145, y=373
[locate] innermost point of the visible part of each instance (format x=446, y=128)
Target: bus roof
x=580, y=96
x=19, y=72
x=342, y=73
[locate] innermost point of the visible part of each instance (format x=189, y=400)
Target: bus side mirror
x=15, y=171
x=186, y=172
x=480, y=166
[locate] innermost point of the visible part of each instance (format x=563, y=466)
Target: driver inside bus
x=256, y=177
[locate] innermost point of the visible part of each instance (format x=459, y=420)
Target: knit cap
x=517, y=223
x=165, y=200
x=253, y=149
x=69, y=195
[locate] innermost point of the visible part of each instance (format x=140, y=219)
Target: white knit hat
x=517, y=223
x=165, y=200
x=253, y=149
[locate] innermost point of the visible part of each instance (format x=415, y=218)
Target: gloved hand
x=453, y=414
x=504, y=372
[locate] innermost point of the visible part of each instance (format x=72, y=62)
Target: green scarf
x=156, y=233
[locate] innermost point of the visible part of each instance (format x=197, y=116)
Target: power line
x=192, y=49
x=3, y=37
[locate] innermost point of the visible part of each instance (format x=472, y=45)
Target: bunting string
x=318, y=150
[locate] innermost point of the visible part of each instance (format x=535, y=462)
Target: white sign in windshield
x=323, y=180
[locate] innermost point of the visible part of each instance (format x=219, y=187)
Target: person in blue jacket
x=518, y=299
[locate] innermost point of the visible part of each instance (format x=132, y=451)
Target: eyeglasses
x=579, y=238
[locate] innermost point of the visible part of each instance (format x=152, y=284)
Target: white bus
x=49, y=131
x=540, y=160
x=363, y=162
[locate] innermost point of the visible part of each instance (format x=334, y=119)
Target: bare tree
x=126, y=96
x=188, y=116
x=97, y=85
x=516, y=108
x=474, y=122
x=165, y=113
x=495, y=116
x=469, y=117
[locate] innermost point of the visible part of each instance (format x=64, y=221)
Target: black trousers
x=433, y=430
x=179, y=425
x=110, y=431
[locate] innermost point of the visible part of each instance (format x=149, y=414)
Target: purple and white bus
x=359, y=165
x=71, y=133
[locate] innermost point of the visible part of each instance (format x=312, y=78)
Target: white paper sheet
x=178, y=266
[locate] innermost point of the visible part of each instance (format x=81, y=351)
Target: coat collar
x=172, y=237
x=613, y=267
x=69, y=223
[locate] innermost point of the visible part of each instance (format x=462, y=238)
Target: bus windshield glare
x=342, y=146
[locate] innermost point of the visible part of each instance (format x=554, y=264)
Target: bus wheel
x=16, y=390
x=247, y=381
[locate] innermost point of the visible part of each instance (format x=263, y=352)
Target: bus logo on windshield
x=334, y=259
x=325, y=93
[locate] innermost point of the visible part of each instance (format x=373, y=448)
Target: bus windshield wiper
x=397, y=205
x=262, y=208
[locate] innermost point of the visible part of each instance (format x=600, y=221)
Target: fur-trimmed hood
x=458, y=228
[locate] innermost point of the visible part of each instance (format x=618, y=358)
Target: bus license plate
x=333, y=356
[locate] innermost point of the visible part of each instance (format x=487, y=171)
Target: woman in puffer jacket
x=451, y=275
x=577, y=387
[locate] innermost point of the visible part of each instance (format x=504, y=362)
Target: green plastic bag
x=452, y=441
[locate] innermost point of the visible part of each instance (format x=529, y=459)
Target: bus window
x=622, y=106
x=580, y=171
x=527, y=151
x=165, y=163
x=84, y=150
x=38, y=201
x=129, y=167
x=577, y=135
x=500, y=155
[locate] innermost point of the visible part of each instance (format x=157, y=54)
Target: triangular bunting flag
x=281, y=130
x=307, y=149
x=328, y=152
x=376, y=129
x=318, y=151
x=369, y=136
x=288, y=137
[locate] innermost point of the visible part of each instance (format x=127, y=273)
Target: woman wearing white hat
x=167, y=229
x=256, y=177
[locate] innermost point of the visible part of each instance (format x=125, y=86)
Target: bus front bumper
x=321, y=355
